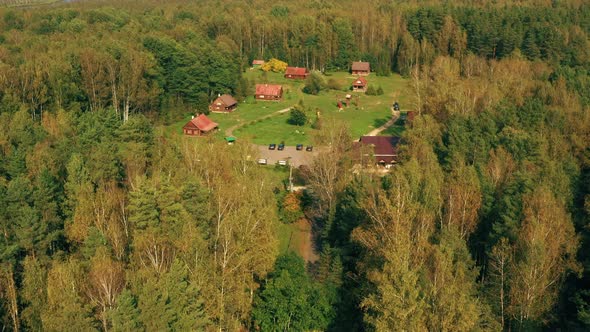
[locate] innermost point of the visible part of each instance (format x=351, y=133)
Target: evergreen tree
x=33, y=293
x=125, y=315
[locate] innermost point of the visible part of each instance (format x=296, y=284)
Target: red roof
x=268, y=89
x=202, y=122
x=361, y=66
x=361, y=81
x=297, y=71
x=384, y=147
x=257, y=62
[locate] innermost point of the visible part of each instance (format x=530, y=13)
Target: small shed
x=296, y=73
x=223, y=103
x=269, y=92
x=361, y=68
x=257, y=63
x=199, y=126
x=359, y=84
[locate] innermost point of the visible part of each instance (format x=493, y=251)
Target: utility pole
x=290, y=176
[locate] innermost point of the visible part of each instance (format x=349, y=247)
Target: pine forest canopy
x=111, y=220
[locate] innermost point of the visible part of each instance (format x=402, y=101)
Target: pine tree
x=33, y=293
x=171, y=302
x=125, y=315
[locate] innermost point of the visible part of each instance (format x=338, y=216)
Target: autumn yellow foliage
x=274, y=65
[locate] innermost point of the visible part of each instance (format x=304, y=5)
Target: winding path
x=394, y=116
x=230, y=131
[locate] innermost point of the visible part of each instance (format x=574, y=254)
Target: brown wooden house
x=296, y=73
x=384, y=148
x=269, y=92
x=199, y=126
x=359, y=84
x=223, y=103
x=361, y=68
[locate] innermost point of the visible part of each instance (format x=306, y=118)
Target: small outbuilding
x=257, y=63
x=361, y=68
x=269, y=92
x=223, y=103
x=199, y=126
x=359, y=84
x=296, y=73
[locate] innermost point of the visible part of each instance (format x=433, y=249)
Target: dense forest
x=109, y=222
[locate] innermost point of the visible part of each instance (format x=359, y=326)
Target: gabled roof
x=361, y=66
x=268, y=89
x=202, y=122
x=384, y=147
x=360, y=81
x=257, y=62
x=227, y=100
x=296, y=71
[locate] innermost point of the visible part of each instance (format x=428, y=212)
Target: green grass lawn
x=364, y=114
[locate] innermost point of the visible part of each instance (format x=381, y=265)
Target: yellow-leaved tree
x=274, y=65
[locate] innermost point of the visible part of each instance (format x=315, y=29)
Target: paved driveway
x=290, y=153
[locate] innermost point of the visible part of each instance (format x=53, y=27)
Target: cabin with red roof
x=223, y=103
x=199, y=126
x=359, y=84
x=296, y=73
x=360, y=68
x=269, y=92
x=384, y=148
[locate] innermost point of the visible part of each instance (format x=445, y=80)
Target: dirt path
x=302, y=241
x=230, y=131
x=377, y=131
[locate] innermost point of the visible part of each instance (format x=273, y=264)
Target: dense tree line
x=109, y=223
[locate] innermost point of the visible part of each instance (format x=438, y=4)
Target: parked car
x=262, y=161
x=283, y=162
x=396, y=106
x=281, y=147
x=299, y=147
x=309, y=148
x=272, y=146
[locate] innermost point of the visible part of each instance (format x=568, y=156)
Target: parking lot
x=290, y=154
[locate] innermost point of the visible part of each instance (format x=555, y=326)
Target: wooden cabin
x=296, y=73
x=359, y=84
x=384, y=148
x=199, y=126
x=269, y=92
x=223, y=103
x=361, y=68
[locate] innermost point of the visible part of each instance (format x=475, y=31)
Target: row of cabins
x=357, y=68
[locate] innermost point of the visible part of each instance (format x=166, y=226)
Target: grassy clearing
x=364, y=114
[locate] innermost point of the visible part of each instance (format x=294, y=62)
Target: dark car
x=299, y=147
x=309, y=148
x=272, y=146
x=281, y=147
x=396, y=106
